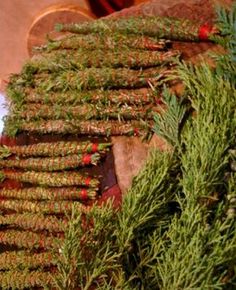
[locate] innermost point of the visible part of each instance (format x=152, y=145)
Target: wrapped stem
x=29, y=221
x=73, y=97
x=52, y=163
x=45, y=207
x=83, y=112
x=93, y=78
x=61, y=148
x=57, y=179
x=78, y=59
x=102, y=128
x=101, y=41
x=25, y=260
x=42, y=193
x=28, y=240
x=25, y=279
x=160, y=27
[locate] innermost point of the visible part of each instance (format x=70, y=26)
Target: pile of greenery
x=176, y=226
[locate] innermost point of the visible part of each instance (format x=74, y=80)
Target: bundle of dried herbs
x=60, y=148
x=92, y=78
x=57, y=179
x=50, y=193
x=75, y=97
x=45, y=207
x=25, y=279
x=160, y=27
x=32, y=221
x=24, y=259
x=52, y=163
x=79, y=59
x=91, y=127
x=28, y=240
x=107, y=42
x=37, y=111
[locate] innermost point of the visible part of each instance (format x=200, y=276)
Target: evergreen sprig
x=145, y=207
x=226, y=63
x=168, y=123
x=91, y=261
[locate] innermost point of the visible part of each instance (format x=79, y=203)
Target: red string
x=87, y=159
x=205, y=31
x=95, y=147
x=84, y=194
x=87, y=181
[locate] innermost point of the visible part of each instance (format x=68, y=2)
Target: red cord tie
x=136, y=131
x=87, y=159
x=204, y=31
x=95, y=147
x=87, y=181
x=84, y=194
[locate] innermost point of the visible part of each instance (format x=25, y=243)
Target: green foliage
x=168, y=124
x=107, y=254
x=87, y=257
x=227, y=25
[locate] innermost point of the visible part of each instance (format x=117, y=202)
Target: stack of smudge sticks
x=104, y=78
x=101, y=79
x=34, y=217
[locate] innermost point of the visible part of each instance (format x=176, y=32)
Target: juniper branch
x=169, y=123
x=207, y=239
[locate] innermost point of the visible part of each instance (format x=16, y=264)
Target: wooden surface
x=18, y=22
x=25, y=23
